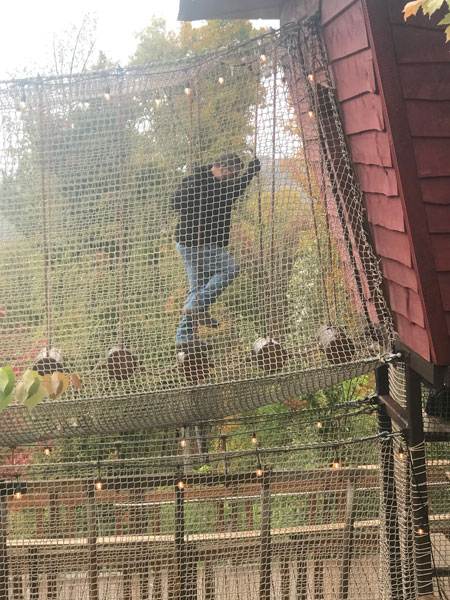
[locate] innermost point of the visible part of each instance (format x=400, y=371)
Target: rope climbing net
x=286, y=503
x=241, y=153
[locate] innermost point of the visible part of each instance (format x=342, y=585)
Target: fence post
x=266, y=550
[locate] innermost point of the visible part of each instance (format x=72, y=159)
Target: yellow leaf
x=55, y=384
x=411, y=8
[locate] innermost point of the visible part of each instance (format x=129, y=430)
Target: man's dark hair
x=229, y=160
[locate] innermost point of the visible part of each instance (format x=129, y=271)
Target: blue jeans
x=210, y=270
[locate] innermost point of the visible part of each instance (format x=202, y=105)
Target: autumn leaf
x=76, y=381
x=55, y=384
x=411, y=8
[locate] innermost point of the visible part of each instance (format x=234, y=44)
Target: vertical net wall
x=97, y=173
x=215, y=512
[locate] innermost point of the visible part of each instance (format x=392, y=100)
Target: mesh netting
x=99, y=170
x=419, y=549
x=311, y=504
x=215, y=512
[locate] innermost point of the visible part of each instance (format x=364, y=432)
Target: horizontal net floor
x=273, y=290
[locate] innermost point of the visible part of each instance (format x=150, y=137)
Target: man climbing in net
x=204, y=202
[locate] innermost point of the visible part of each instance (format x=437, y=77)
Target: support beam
x=389, y=529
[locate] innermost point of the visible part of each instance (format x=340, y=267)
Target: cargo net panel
x=100, y=169
x=230, y=516
x=421, y=477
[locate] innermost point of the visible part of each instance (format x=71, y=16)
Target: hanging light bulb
x=283, y=82
x=18, y=492
x=401, y=453
x=221, y=80
x=310, y=77
x=183, y=443
x=310, y=113
x=47, y=450
x=107, y=94
x=180, y=485
x=421, y=530
x=259, y=472
x=263, y=58
x=337, y=462
x=187, y=89
x=319, y=425
x=254, y=438
x=23, y=101
x=98, y=484
x=158, y=101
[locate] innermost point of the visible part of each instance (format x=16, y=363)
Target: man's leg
x=193, y=261
x=222, y=269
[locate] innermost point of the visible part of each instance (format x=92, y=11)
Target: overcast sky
x=27, y=28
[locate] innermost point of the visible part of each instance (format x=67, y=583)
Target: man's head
x=227, y=167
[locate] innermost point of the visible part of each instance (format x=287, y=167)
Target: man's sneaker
x=201, y=317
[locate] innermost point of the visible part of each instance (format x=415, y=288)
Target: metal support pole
x=389, y=529
x=419, y=496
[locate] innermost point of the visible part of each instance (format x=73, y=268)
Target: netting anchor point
x=120, y=363
x=269, y=354
x=48, y=362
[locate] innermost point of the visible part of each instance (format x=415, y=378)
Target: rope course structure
x=219, y=511
x=97, y=170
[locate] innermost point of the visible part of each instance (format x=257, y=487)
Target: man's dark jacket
x=204, y=204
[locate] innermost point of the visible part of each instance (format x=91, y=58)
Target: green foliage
x=7, y=381
x=429, y=7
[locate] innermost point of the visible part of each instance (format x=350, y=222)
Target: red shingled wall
x=411, y=231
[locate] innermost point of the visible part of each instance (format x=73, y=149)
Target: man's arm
x=241, y=183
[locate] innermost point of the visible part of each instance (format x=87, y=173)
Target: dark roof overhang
x=192, y=10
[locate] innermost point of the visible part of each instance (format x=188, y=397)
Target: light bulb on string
x=23, y=102
x=47, y=450
x=254, y=438
x=107, y=94
x=310, y=77
x=98, y=483
x=263, y=58
x=337, y=462
x=310, y=113
x=158, y=101
x=259, y=469
x=283, y=82
x=183, y=443
x=319, y=425
x=221, y=80
x=401, y=453
x=187, y=89
x=18, y=491
x=181, y=485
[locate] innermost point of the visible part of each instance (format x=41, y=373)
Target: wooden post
x=186, y=559
x=284, y=577
x=54, y=532
x=419, y=496
x=92, y=542
x=266, y=550
x=210, y=587
x=4, y=565
x=389, y=529
x=302, y=575
x=348, y=540
x=33, y=570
